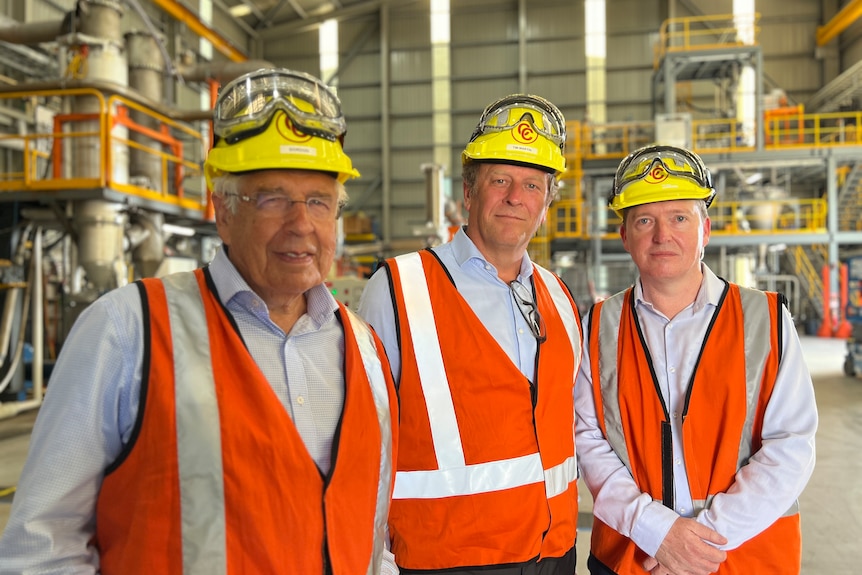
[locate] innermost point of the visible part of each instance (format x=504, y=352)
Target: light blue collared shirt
x=489, y=297
x=92, y=402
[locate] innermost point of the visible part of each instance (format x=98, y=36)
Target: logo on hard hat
x=656, y=175
x=524, y=132
x=287, y=130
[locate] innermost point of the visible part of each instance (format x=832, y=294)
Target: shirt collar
x=710, y=292
x=233, y=289
x=466, y=251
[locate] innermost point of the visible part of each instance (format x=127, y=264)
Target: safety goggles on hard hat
x=650, y=160
x=506, y=113
x=666, y=173
x=246, y=105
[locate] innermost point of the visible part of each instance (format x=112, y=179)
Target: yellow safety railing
x=705, y=33
x=814, y=130
x=712, y=136
x=768, y=217
x=40, y=150
x=179, y=148
x=87, y=149
x=607, y=141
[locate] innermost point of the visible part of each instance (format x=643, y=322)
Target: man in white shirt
x=695, y=411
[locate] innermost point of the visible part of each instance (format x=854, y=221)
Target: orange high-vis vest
x=486, y=462
x=722, y=421
x=216, y=479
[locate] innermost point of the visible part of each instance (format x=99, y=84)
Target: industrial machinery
x=100, y=176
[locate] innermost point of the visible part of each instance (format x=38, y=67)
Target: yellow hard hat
x=657, y=174
x=278, y=119
x=520, y=129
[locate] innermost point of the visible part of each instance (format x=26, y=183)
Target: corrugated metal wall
x=498, y=47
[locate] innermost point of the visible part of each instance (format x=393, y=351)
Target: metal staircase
x=850, y=200
x=806, y=263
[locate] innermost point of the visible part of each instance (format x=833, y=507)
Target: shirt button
x=300, y=400
x=677, y=461
x=682, y=510
x=675, y=415
x=672, y=370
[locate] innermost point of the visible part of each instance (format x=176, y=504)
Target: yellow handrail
x=81, y=150
x=804, y=268
x=705, y=33
x=618, y=139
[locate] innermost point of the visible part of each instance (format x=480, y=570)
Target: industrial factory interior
x=106, y=111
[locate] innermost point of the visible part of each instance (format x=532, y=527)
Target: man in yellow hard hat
x=485, y=346
x=235, y=419
x=695, y=410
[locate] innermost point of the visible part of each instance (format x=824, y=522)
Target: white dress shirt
x=762, y=491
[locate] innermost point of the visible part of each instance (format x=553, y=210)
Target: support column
x=385, y=126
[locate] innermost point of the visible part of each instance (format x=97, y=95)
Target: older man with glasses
x=485, y=346
x=234, y=419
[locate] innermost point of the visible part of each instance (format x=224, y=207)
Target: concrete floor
x=831, y=504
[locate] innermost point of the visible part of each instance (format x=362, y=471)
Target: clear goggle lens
x=508, y=112
x=246, y=105
x=675, y=161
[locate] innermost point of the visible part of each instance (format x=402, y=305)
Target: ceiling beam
x=313, y=22
x=194, y=23
x=845, y=17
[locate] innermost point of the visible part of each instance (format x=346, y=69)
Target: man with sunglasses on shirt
x=235, y=419
x=695, y=409
x=485, y=346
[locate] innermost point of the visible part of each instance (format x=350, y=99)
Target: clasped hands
x=688, y=549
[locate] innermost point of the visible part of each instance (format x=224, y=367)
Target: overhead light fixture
x=178, y=230
x=239, y=10
x=754, y=178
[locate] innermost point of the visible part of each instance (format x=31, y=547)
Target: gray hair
x=470, y=173
x=227, y=186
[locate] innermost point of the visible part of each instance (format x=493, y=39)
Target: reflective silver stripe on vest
x=469, y=479
x=609, y=329
x=558, y=478
x=454, y=477
x=201, y=475
x=564, y=308
x=374, y=371
x=757, y=330
x=432, y=374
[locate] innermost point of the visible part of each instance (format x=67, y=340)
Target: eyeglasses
x=246, y=105
x=502, y=115
x=277, y=204
x=524, y=300
x=652, y=161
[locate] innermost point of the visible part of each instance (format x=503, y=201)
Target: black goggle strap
x=241, y=135
x=546, y=110
x=699, y=175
